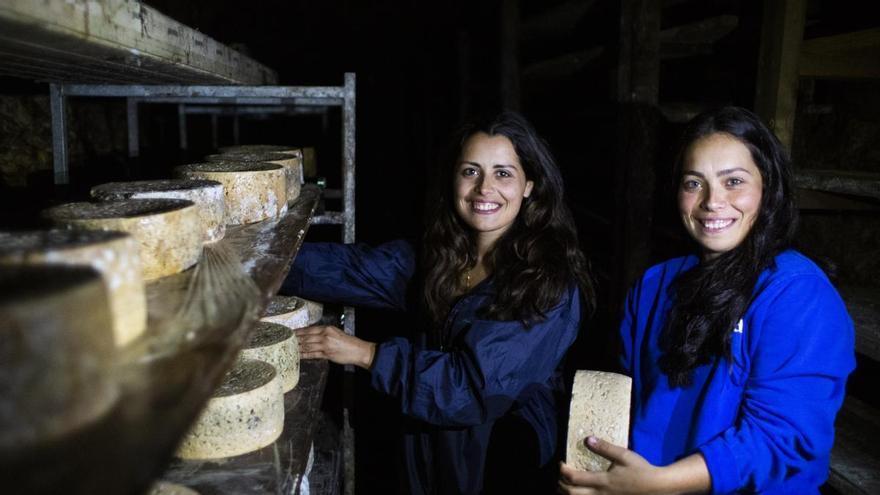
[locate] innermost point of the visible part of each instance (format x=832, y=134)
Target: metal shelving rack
x=238, y=99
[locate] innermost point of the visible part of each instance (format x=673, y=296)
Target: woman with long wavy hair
x=503, y=287
x=739, y=353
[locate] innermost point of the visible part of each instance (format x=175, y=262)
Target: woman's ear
x=528, y=190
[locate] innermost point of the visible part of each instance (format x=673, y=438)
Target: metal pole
x=348, y=164
x=133, y=130
x=57, y=103
x=181, y=125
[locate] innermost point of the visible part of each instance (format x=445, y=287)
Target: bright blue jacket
x=487, y=369
x=764, y=419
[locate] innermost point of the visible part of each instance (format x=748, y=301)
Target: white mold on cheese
x=292, y=166
x=600, y=408
x=277, y=345
x=254, y=191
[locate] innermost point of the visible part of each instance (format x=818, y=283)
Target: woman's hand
x=630, y=473
x=329, y=342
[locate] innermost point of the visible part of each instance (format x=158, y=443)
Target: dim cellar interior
x=162, y=163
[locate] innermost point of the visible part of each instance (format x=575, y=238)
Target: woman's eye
x=504, y=173
x=469, y=172
x=690, y=185
x=734, y=181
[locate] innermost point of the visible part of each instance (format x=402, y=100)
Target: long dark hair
x=710, y=299
x=533, y=263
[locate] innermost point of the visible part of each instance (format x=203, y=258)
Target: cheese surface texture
x=277, y=345
x=253, y=191
x=292, y=166
x=206, y=194
x=600, y=408
x=168, y=231
x=244, y=414
x=113, y=254
x=292, y=312
x=57, y=352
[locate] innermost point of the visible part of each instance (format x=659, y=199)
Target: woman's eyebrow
x=729, y=171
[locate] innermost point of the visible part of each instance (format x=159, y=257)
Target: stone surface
x=599, y=407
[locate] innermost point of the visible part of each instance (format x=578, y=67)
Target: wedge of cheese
x=600, y=408
x=277, y=345
x=292, y=312
x=113, y=254
x=206, y=194
x=56, y=350
x=245, y=413
x=168, y=231
x=253, y=191
x=292, y=166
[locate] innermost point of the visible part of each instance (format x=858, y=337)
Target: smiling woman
x=502, y=288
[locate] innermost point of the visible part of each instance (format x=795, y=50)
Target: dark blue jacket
x=763, y=419
x=486, y=370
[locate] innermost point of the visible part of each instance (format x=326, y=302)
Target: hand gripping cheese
x=277, y=345
x=206, y=194
x=113, y=254
x=245, y=413
x=292, y=312
x=56, y=350
x=600, y=408
x=291, y=163
x=168, y=231
x=254, y=191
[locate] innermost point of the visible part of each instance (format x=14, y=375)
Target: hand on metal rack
x=329, y=342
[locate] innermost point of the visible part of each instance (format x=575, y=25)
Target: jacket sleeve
x=628, y=331
x=494, y=364
x=352, y=274
x=801, y=350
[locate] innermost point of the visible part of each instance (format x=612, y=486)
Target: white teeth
x=716, y=224
x=486, y=206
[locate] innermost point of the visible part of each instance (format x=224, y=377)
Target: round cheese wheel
x=292, y=312
x=261, y=148
x=168, y=231
x=254, y=191
x=206, y=194
x=245, y=413
x=56, y=346
x=277, y=345
x=113, y=254
x=600, y=408
x=316, y=311
x=291, y=163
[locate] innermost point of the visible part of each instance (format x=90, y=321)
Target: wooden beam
x=558, y=21
x=855, y=456
x=561, y=66
x=704, y=31
x=853, y=55
x=776, y=88
x=850, y=182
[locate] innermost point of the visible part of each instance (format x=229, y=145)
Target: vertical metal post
x=214, y=138
x=348, y=164
x=133, y=129
x=181, y=125
x=57, y=103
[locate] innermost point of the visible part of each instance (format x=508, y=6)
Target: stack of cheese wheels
x=277, y=345
x=168, y=231
x=292, y=312
x=254, y=191
x=600, y=408
x=291, y=163
x=56, y=346
x=244, y=414
x=206, y=194
x=113, y=254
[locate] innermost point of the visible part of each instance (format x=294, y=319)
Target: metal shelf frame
x=235, y=100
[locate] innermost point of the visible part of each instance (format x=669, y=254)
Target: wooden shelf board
x=856, y=454
x=854, y=55
x=198, y=321
x=863, y=304
x=853, y=183
x=114, y=41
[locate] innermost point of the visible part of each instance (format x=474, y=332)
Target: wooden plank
x=776, y=88
x=855, y=458
x=810, y=200
x=197, y=322
x=863, y=304
x=853, y=55
x=126, y=38
x=704, y=31
x=851, y=182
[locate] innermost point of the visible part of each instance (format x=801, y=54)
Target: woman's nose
x=713, y=200
x=485, y=185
